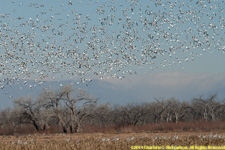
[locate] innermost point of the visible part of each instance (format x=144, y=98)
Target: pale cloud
x=169, y=84
x=139, y=88
x=171, y=79
x=178, y=79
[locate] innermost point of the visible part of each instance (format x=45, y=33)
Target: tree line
x=69, y=110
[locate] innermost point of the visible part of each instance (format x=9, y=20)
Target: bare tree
x=30, y=112
x=103, y=115
x=69, y=109
x=79, y=106
x=159, y=108
x=8, y=118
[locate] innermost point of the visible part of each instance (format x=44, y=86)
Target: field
x=103, y=141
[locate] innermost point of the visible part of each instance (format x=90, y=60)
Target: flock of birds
x=77, y=39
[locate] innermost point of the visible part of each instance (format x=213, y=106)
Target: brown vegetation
x=215, y=126
x=85, y=141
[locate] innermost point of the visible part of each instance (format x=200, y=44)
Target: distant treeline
x=71, y=110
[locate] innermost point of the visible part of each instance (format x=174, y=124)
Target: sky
x=164, y=46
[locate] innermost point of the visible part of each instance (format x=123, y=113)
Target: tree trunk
x=177, y=117
x=36, y=126
x=64, y=129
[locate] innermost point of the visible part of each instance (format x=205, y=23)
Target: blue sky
x=183, y=37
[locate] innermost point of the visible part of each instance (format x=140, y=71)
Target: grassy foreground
x=123, y=141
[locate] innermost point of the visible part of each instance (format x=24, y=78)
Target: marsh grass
x=103, y=141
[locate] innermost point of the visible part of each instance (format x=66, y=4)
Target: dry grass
x=216, y=126
x=109, y=141
x=112, y=137
x=159, y=127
